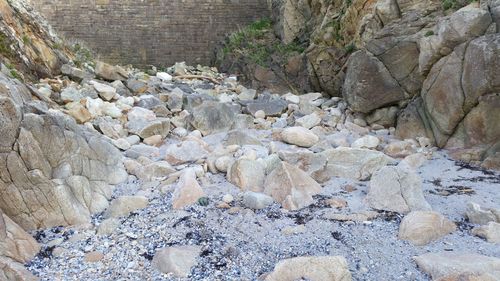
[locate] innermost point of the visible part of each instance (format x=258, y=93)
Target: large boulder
x=332, y=268
x=451, y=264
x=110, y=72
x=369, y=85
x=291, y=187
x=53, y=171
x=247, y=175
x=176, y=260
x=396, y=189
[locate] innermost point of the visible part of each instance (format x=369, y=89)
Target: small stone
x=291, y=230
x=122, y=144
x=260, y=114
x=93, y=256
x=176, y=260
x=299, y=136
x=423, y=227
x=106, y=92
x=228, y=198
x=165, y=77
x=256, y=201
x=338, y=203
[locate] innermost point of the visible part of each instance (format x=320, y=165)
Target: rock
x=15, y=243
x=357, y=217
x=396, y=189
x=155, y=140
x=247, y=175
x=291, y=230
x=71, y=94
x=155, y=170
x=443, y=264
x=309, y=121
x=241, y=138
x=176, y=260
x=93, y=257
x=336, y=203
x=75, y=73
x=299, y=136
x=107, y=226
x=110, y=72
x=353, y=163
x=212, y=117
x=185, y=152
x=142, y=150
x=223, y=163
x=478, y=215
x=106, y=92
x=423, y=227
x=271, y=107
x=188, y=191
x=146, y=129
x=367, y=141
x=291, y=187
x=122, y=144
x=260, y=114
x=165, y=77
x=141, y=114
x=79, y=112
x=399, y=149
x=247, y=94
x=413, y=161
x=124, y=205
x=369, y=85
x=332, y=268
x=228, y=198
x=46, y=152
x=491, y=232
x=256, y=201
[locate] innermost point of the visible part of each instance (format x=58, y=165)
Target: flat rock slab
x=176, y=260
x=331, y=268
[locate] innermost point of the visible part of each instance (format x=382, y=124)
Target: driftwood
x=201, y=77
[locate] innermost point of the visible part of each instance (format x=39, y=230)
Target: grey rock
x=256, y=201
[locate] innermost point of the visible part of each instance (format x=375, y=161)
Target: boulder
x=185, y=152
x=256, y=201
x=331, y=268
x=423, y=227
x=369, y=85
x=367, y=141
x=309, y=121
x=188, y=191
x=247, y=175
x=176, y=260
x=478, y=215
x=67, y=164
x=146, y=129
x=299, y=136
x=104, y=91
x=110, y=72
x=291, y=187
x=124, y=205
x=444, y=264
x=15, y=243
x=490, y=232
x=353, y=163
x=396, y=189
x=212, y=117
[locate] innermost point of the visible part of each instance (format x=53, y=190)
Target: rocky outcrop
x=27, y=42
x=415, y=65
x=53, y=171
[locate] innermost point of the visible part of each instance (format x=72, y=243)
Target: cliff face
x=423, y=66
x=27, y=44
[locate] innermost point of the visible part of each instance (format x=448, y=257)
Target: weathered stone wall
x=150, y=31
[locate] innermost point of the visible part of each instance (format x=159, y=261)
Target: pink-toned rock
x=188, y=191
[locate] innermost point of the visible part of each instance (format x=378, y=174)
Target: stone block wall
x=143, y=32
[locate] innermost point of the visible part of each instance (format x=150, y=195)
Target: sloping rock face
x=27, y=42
x=53, y=171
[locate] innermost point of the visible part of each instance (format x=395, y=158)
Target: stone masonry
x=158, y=32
